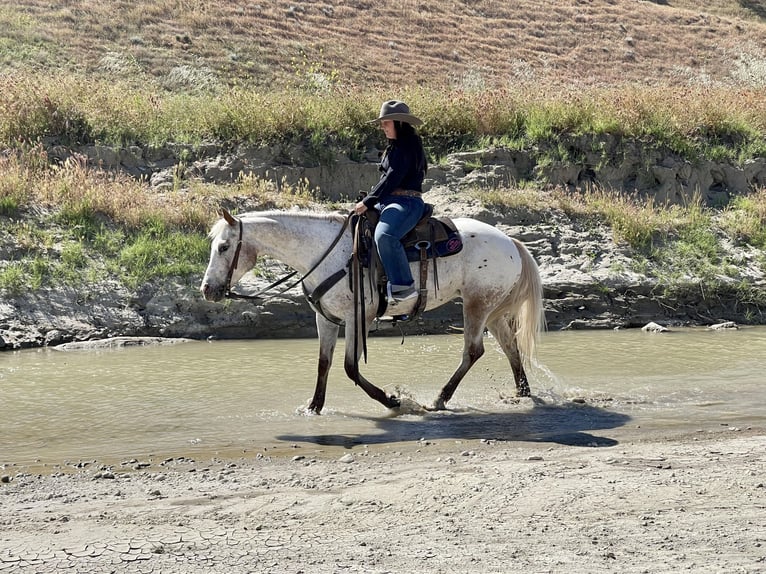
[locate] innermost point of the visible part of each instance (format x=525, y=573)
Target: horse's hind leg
x=504, y=333
x=328, y=337
x=473, y=349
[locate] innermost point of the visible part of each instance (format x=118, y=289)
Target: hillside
x=468, y=43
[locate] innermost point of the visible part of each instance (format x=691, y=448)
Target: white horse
x=494, y=274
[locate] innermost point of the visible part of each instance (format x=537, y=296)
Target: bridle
x=230, y=294
x=234, y=262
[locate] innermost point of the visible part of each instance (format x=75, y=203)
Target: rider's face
x=388, y=128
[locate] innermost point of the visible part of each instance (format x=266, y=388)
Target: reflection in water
x=245, y=395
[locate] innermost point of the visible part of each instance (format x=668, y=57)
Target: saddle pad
x=450, y=246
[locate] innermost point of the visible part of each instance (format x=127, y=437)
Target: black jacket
x=403, y=166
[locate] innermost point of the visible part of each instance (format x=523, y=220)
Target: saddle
x=431, y=238
x=437, y=235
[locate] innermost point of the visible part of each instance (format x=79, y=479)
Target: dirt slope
x=464, y=43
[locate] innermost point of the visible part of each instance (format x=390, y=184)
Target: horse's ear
x=227, y=216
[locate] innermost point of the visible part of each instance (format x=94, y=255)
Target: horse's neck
x=298, y=240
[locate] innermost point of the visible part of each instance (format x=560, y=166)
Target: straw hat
x=396, y=110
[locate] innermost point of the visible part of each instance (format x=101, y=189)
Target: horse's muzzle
x=210, y=293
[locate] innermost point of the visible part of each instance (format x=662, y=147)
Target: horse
x=496, y=276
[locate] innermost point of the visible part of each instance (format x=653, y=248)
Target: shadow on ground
x=567, y=424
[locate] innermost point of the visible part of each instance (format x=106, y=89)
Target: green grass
x=135, y=258
x=153, y=254
x=72, y=225
x=8, y=205
x=113, y=223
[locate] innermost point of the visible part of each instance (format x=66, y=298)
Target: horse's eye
x=223, y=248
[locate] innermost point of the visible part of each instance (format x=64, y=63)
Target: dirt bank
x=589, y=282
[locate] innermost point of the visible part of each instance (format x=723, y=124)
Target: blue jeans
x=396, y=219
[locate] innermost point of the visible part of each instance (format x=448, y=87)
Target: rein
x=357, y=281
x=230, y=294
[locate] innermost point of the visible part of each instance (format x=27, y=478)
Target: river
x=244, y=397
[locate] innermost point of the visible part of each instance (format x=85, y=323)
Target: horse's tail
x=527, y=298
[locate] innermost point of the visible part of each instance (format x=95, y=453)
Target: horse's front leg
x=351, y=365
x=388, y=401
x=328, y=337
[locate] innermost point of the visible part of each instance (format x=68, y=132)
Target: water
x=228, y=397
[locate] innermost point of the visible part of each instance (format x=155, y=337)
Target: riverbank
x=589, y=279
x=636, y=503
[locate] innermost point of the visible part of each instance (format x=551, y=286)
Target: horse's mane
x=336, y=216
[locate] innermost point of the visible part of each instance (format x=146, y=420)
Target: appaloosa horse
x=494, y=274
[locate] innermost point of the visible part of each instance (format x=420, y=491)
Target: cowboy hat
x=396, y=110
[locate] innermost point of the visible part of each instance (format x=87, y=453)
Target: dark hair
x=406, y=131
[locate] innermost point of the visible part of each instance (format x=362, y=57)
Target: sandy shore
x=694, y=502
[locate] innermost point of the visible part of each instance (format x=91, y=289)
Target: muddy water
x=229, y=397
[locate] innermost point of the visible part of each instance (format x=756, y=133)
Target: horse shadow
x=566, y=424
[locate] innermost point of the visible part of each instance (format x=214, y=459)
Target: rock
x=53, y=337
x=347, y=458
x=162, y=179
x=118, y=342
x=654, y=328
x=724, y=326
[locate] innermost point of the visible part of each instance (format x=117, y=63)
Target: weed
x=81, y=220
x=73, y=256
x=745, y=218
x=39, y=271
x=8, y=205
x=12, y=278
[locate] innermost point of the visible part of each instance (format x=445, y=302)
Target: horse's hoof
x=439, y=405
x=309, y=411
x=409, y=407
x=523, y=390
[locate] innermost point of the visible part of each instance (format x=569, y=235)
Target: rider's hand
x=360, y=208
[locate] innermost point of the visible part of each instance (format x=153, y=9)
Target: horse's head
x=230, y=259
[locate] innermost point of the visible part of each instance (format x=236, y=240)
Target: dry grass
x=73, y=188
x=83, y=192
x=473, y=44
x=715, y=122
x=79, y=225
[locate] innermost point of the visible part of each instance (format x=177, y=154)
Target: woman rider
x=398, y=195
